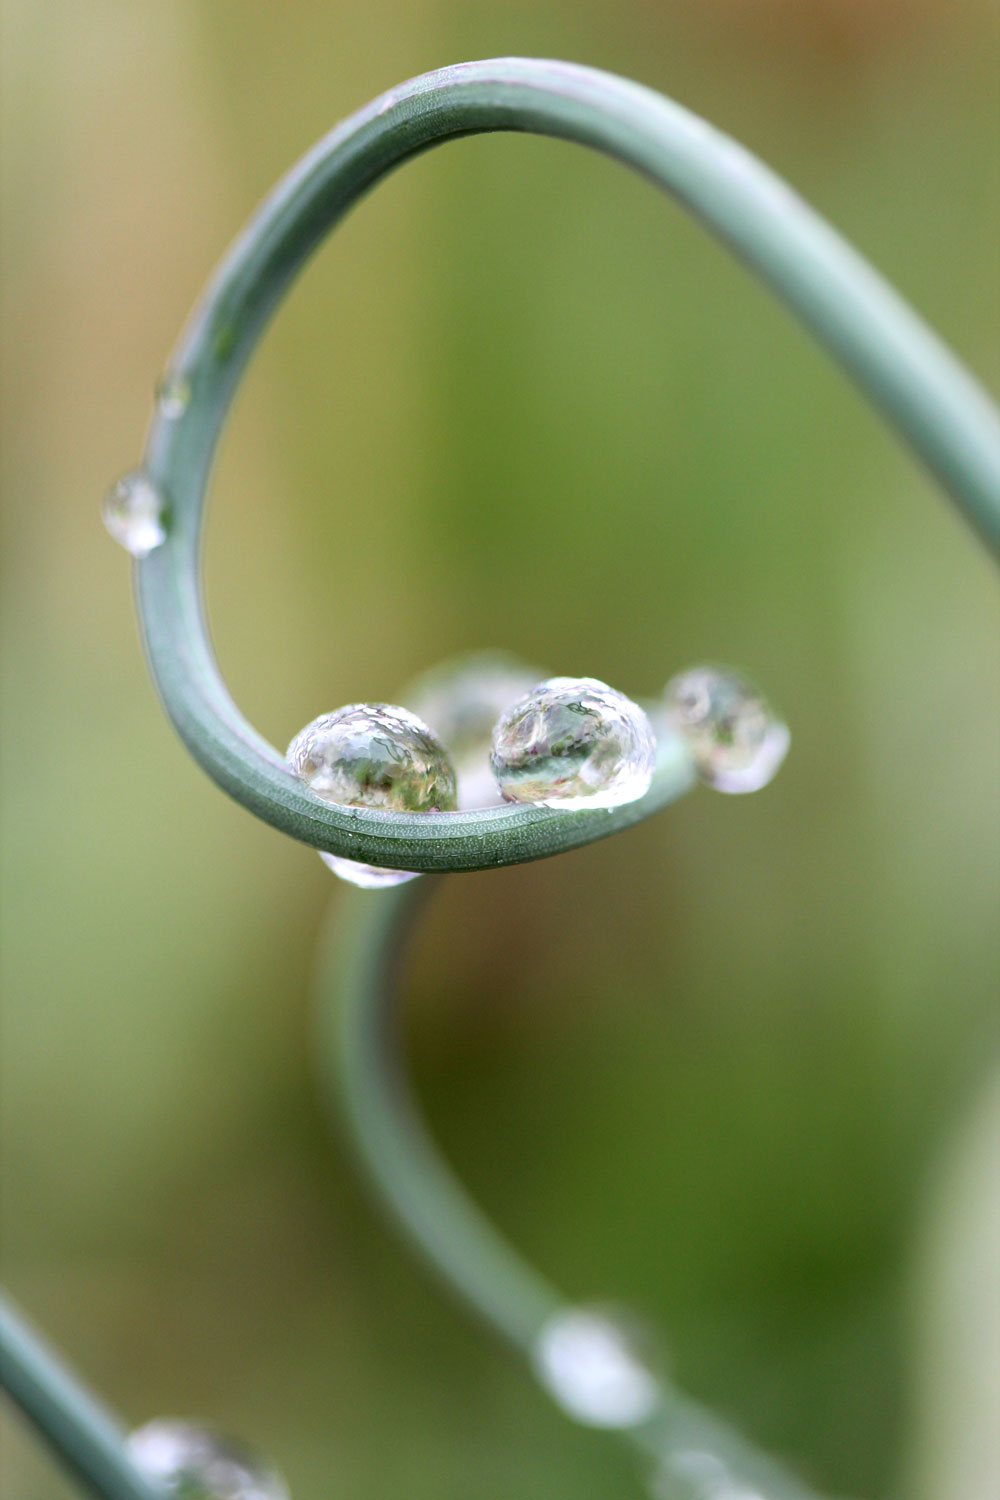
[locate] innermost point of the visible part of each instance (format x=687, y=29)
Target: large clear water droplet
x=573, y=742
x=373, y=755
x=461, y=700
x=173, y=395
x=134, y=512
x=591, y=1362
x=736, y=740
x=194, y=1463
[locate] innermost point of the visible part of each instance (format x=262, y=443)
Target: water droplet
x=736, y=740
x=573, y=742
x=590, y=1362
x=373, y=755
x=461, y=700
x=195, y=1463
x=173, y=395
x=369, y=877
x=698, y=1474
x=133, y=511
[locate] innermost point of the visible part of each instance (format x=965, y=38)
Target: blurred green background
x=737, y=1068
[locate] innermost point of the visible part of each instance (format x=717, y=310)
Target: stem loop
x=933, y=402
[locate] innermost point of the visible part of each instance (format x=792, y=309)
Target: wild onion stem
x=931, y=400
x=935, y=405
x=364, y=1077
x=83, y=1434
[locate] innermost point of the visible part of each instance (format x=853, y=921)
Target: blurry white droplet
x=461, y=700
x=736, y=740
x=133, y=512
x=373, y=755
x=173, y=396
x=590, y=1364
x=698, y=1474
x=573, y=742
x=194, y=1463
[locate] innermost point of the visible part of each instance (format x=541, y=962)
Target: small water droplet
x=736, y=740
x=195, y=1463
x=173, y=395
x=461, y=700
x=591, y=1363
x=373, y=755
x=369, y=877
x=573, y=742
x=698, y=1474
x=133, y=512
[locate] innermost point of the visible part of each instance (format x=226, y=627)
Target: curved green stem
x=692, y=1452
x=83, y=1434
x=362, y=1066
x=934, y=404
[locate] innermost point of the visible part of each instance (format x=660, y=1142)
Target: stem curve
x=693, y=1453
x=935, y=405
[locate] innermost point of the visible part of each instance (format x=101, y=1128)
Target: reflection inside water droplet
x=195, y=1463
x=373, y=755
x=590, y=1363
x=134, y=513
x=573, y=743
x=736, y=740
x=173, y=396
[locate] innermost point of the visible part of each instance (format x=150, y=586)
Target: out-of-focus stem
x=692, y=1453
x=83, y=1434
